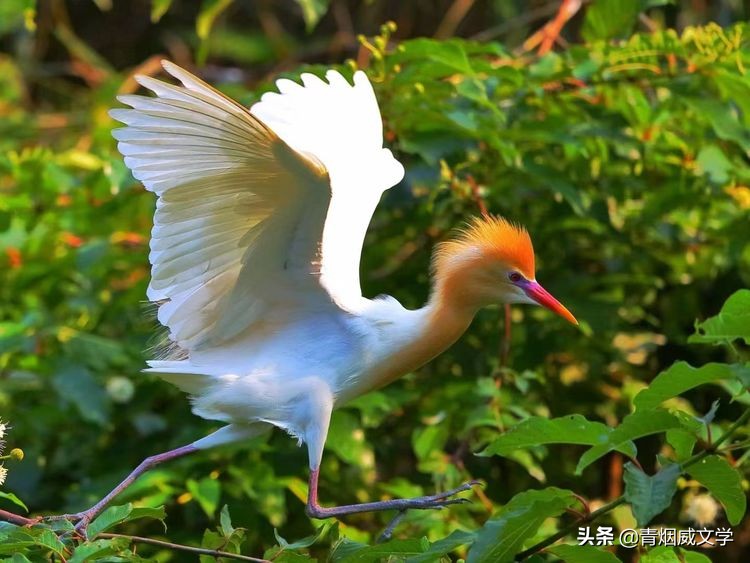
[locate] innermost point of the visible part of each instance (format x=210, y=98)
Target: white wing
x=340, y=124
x=239, y=216
x=245, y=221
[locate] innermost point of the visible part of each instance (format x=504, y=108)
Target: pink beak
x=545, y=299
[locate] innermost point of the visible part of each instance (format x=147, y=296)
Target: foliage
x=625, y=155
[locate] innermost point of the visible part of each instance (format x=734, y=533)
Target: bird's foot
x=57, y=517
x=80, y=520
x=429, y=502
x=81, y=528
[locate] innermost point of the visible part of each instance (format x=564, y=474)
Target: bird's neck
x=444, y=318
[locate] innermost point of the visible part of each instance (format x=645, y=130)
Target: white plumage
x=255, y=250
x=256, y=241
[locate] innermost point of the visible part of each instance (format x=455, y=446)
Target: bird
x=260, y=221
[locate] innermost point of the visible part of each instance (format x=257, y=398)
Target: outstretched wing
x=340, y=124
x=239, y=216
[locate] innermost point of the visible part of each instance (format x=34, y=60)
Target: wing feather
x=340, y=124
x=236, y=206
x=254, y=207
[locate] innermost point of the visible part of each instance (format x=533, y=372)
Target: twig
x=476, y=193
x=508, y=327
x=180, y=547
x=567, y=529
x=525, y=18
x=546, y=37
x=16, y=518
x=453, y=17
x=536, y=548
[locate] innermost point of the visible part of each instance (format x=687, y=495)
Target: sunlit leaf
x=582, y=554
x=312, y=11
x=732, y=322
x=536, y=431
x=681, y=377
x=636, y=425
x=159, y=8
x=14, y=499
x=724, y=482
x=503, y=535
x=207, y=492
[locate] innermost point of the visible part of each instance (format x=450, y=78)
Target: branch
x=180, y=547
x=536, y=548
x=16, y=518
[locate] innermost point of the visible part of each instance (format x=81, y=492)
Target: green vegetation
x=625, y=154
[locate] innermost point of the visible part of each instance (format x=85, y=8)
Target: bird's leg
x=320, y=401
x=428, y=502
x=225, y=435
x=84, y=518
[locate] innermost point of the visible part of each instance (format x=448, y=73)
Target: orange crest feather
x=493, y=237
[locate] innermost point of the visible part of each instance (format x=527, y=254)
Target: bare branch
x=180, y=547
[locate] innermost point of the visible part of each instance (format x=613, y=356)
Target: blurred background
x=618, y=137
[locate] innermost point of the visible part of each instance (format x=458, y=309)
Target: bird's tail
x=180, y=374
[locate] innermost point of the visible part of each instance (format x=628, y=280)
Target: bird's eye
x=515, y=277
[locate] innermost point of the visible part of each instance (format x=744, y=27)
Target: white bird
x=255, y=250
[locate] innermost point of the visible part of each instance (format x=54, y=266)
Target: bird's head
x=491, y=262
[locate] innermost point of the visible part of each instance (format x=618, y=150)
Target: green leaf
x=537, y=431
x=693, y=556
x=681, y=377
x=683, y=442
x=724, y=482
x=207, y=492
x=98, y=549
x=399, y=549
x=344, y=548
x=503, y=535
x=661, y=554
x=210, y=10
x=123, y=513
x=443, y=547
x=650, y=495
x=347, y=439
x=450, y=56
x=312, y=11
x=14, y=499
x=723, y=120
x=306, y=541
x=430, y=440
x=109, y=518
x=75, y=384
x=582, y=554
x=225, y=522
x=732, y=322
x=607, y=19
x=714, y=163
x=636, y=425
x=159, y=8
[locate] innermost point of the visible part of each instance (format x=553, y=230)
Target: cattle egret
x=255, y=251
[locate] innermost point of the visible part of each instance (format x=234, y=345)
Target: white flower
x=3, y=473
x=3, y=428
x=702, y=509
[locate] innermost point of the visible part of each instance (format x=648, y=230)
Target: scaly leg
x=436, y=501
x=320, y=402
x=225, y=435
x=84, y=518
